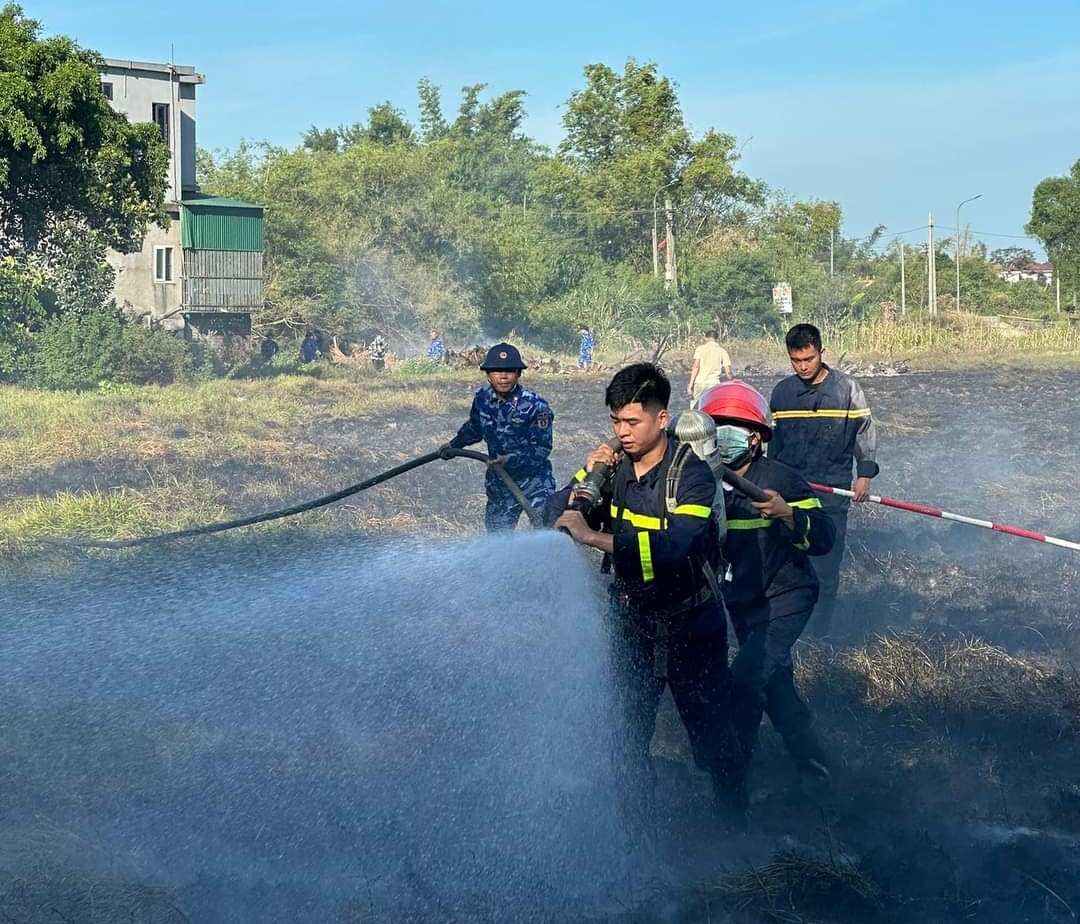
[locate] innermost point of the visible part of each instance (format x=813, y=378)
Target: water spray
x=955, y=517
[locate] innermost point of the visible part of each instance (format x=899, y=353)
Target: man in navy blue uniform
x=823, y=424
x=669, y=625
x=516, y=425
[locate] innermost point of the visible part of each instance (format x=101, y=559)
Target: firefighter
x=516, y=425
x=669, y=625
x=822, y=423
x=770, y=587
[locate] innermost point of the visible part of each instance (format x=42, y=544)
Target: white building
x=204, y=272
x=1029, y=272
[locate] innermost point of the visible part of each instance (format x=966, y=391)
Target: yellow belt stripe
x=645, y=550
x=694, y=510
x=759, y=523
x=637, y=519
x=787, y=415
x=810, y=503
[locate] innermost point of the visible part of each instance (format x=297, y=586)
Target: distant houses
x=204, y=274
x=1029, y=272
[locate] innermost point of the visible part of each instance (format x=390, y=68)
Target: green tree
x=1055, y=221
x=63, y=150
x=733, y=292
x=1009, y=257
x=625, y=141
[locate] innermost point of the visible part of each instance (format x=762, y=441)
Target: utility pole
x=1057, y=285
x=931, y=270
x=655, y=242
x=903, y=282
x=831, y=236
x=670, y=280
x=959, y=252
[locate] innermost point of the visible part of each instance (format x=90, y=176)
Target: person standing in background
x=822, y=425
x=585, y=348
x=377, y=351
x=711, y=361
x=436, y=350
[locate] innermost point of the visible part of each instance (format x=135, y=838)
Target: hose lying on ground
x=446, y=454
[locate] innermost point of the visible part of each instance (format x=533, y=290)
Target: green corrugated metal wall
x=208, y=227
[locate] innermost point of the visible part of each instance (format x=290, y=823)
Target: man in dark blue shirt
x=670, y=626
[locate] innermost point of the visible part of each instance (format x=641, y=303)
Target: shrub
x=80, y=351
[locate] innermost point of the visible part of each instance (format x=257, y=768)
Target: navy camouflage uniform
x=770, y=590
x=669, y=625
x=519, y=426
x=818, y=430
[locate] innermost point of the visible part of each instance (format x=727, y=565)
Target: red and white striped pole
x=956, y=517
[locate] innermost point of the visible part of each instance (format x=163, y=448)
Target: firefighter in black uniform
x=669, y=624
x=770, y=587
x=822, y=422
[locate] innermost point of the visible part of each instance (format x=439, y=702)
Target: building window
x=106, y=88
x=161, y=118
x=163, y=264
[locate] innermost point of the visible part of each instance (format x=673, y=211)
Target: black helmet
x=501, y=358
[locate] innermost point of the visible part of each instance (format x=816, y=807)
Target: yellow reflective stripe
x=810, y=503
x=645, y=550
x=758, y=523
x=636, y=519
x=804, y=543
x=791, y=415
x=580, y=476
x=694, y=510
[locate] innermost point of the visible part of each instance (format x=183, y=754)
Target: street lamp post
x=965, y=202
x=655, y=252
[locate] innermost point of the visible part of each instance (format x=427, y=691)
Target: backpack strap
x=674, y=473
x=671, y=491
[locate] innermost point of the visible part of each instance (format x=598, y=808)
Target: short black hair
x=641, y=383
x=711, y=332
x=802, y=336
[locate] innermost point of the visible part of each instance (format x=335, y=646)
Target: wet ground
x=951, y=801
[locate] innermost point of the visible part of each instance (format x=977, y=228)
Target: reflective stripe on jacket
x=818, y=430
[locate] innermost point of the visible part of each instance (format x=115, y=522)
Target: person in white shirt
x=711, y=361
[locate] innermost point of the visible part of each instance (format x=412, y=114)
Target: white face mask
x=733, y=445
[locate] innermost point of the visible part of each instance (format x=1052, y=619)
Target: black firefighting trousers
x=695, y=666
x=763, y=676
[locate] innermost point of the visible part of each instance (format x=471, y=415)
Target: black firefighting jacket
x=765, y=557
x=819, y=429
x=657, y=558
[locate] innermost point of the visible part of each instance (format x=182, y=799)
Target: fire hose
x=445, y=454
x=955, y=517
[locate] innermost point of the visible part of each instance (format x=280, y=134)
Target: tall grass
x=981, y=335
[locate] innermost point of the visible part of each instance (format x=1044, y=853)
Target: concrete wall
x=136, y=86
x=136, y=291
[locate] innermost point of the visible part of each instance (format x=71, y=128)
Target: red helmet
x=735, y=400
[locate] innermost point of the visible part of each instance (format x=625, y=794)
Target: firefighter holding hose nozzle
x=652, y=517
x=770, y=587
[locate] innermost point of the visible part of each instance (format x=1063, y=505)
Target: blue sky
x=892, y=108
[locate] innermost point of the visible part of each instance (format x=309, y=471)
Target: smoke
x=277, y=732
